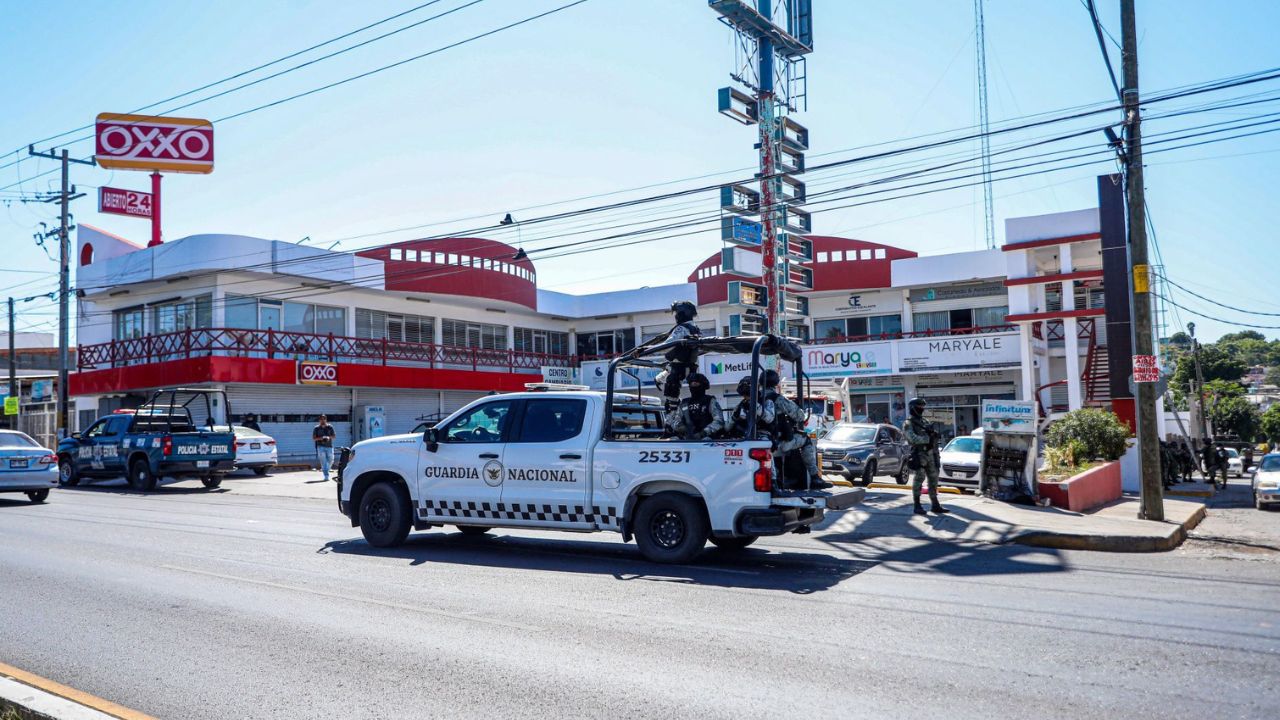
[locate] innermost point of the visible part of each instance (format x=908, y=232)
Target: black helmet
x=744, y=386
x=699, y=379
x=770, y=378
x=916, y=405
x=684, y=310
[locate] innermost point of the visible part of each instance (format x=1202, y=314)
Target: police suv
x=581, y=461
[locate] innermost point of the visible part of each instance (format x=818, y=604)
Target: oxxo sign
x=317, y=372
x=148, y=142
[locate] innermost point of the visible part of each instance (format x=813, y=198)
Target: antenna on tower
x=984, y=122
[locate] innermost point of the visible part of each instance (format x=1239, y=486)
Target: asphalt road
x=190, y=604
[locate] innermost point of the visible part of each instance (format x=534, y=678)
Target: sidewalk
x=1113, y=528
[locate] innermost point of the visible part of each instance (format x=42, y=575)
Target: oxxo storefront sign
x=959, y=351
x=317, y=372
x=848, y=359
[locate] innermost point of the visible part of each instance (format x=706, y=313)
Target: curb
x=1111, y=543
x=33, y=697
x=945, y=489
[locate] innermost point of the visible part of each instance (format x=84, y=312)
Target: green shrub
x=1088, y=434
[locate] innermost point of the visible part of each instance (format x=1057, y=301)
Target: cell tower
x=984, y=123
x=773, y=38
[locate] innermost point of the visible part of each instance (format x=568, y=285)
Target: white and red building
x=422, y=327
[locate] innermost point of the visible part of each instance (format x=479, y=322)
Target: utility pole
x=14, y=390
x=64, y=278
x=1144, y=342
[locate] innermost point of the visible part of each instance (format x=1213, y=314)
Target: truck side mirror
x=75, y=435
x=432, y=438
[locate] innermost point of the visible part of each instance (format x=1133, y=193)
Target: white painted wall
x=1051, y=225
x=946, y=269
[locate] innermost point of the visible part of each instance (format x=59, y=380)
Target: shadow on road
x=795, y=572
x=121, y=487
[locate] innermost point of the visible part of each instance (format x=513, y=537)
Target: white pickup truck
x=577, y=461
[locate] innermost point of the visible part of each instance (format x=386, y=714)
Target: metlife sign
x=849, y=359
x=959, y=351
x=729, y=369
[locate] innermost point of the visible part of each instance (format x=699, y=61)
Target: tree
x=1090, y=433
x=1222, y=389
x=1216, y=365
x=1242, y=335
x=1273, y=376
x=1235, y=416
x=1271, y=425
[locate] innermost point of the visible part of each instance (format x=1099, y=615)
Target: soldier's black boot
x=937, y=508
x=919, y=508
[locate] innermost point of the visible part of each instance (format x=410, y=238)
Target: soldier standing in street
x=924, y=456
x=786, y=422
x=698, y=417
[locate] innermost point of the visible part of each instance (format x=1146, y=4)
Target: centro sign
x=149, y=142
x=317, y=372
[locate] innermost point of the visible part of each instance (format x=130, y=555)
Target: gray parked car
x=860, y=451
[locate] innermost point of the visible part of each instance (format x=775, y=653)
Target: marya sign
x=317, y=372
x=848, y=359
x=1009, y=416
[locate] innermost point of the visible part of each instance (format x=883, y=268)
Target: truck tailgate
x=841, y=499
x=194, y=447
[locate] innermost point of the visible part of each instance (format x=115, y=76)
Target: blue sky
x=617, y=94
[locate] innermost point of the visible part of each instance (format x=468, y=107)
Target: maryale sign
x=317, y=372
x=149, y=142
x=965, y=351
x=849, y=359
x=124, y=202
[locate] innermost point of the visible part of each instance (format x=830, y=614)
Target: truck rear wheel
x=671, y=527
x=140, y=475
x=67, y=475
x=473, y=530
x=384, y=516
x=211, y=481
x=38, y=496
x=734, y=543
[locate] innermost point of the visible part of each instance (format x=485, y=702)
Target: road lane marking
x=69, y=693
x=357, y=598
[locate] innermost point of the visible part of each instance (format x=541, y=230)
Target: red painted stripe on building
x=1057, y=315
x=1028, y=244
x=1040, y=279
x=194, y=371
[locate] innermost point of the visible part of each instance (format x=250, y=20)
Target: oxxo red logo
x=147, y=142
x=316, y=372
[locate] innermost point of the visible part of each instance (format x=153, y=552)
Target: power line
x=1234, y=323
x=1106, y=57
x=1215, y=302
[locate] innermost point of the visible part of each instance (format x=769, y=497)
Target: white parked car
x=255, y=450
x=26, y=467
x=1235, y=464
x=1266, y=481
x=960, y=460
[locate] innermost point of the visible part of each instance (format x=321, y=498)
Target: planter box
x=1090, y=489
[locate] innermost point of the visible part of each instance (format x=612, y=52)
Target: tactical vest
x=783, y=427
x=697, y=413
x=684, y=356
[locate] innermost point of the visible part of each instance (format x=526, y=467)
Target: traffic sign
x=153, y=143
x=1146, y=369
x=124, y=202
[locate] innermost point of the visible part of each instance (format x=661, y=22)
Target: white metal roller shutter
x=288, y=412
x=402, y=407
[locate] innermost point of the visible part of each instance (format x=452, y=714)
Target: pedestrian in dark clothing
x=322, y=434
x=251, y=422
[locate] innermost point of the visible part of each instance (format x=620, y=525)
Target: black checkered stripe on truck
x=604, y=516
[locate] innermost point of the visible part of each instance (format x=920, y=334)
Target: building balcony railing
x=977, y=330
x=278, y=344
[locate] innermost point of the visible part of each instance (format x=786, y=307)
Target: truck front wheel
x=67, y=475
x=671, y=527
x=140, y=475
x=384, y=516
x=733, y=544
x=211, y=481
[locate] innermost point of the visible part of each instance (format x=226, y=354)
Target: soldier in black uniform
x=680, y=360
x=698, y=417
